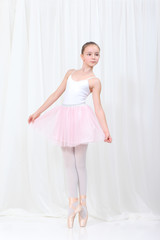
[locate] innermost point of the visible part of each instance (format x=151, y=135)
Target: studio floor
x=47, y=228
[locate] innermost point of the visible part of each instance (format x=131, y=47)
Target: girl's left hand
x=107, y=138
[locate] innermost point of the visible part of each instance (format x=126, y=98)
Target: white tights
x=76, y=173
x=75, y=169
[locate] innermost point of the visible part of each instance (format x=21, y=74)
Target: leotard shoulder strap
x=82, y=79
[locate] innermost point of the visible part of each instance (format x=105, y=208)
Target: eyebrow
x=91, y=52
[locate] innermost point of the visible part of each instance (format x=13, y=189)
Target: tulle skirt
x=69, y=125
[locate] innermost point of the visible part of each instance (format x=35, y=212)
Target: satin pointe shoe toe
x=74, y=209
x=83, y=214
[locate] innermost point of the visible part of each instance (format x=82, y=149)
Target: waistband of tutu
x=68, y=105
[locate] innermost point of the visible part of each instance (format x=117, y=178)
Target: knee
x=81, y=166
x=69, y=165
x=80, y=161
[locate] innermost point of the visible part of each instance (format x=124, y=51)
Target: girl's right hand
x=33, y=117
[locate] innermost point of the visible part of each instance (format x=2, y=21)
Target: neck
x=86, y=69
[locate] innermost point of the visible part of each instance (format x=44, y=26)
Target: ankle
x=72, y=201
x=82, y=200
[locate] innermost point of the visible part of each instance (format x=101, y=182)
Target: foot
x=83, y=214
x=74, y=208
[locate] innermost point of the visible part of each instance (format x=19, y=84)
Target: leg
x=80, y=156
x=70, y=170
x=72, y=183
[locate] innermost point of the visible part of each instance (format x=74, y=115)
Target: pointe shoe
x=76, y=209
x=83, y=221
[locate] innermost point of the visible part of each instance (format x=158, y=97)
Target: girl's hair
x=87, y=44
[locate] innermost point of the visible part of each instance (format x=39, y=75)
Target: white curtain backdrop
x=39, y=41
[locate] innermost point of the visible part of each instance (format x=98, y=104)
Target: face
x=91, y=55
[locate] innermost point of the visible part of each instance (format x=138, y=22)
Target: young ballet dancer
x=73, y=124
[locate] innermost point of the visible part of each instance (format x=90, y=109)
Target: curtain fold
x=40, y=40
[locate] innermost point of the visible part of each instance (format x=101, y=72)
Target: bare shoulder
x=95, y=84
x=63, y=84
x=67, y=74
x=70, y=71
x=97, y=81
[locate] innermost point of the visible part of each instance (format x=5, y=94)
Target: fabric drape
x=41, y=40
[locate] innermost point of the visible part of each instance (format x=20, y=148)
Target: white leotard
x=76, y=91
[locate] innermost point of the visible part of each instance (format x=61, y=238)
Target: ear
x=81, y=55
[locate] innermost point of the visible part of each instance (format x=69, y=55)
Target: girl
x=73, y=124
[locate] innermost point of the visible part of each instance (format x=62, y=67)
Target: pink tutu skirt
x=69, y=125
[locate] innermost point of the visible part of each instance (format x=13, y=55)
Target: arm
x=96, y=90
x=52, y=98
x=55, y=95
